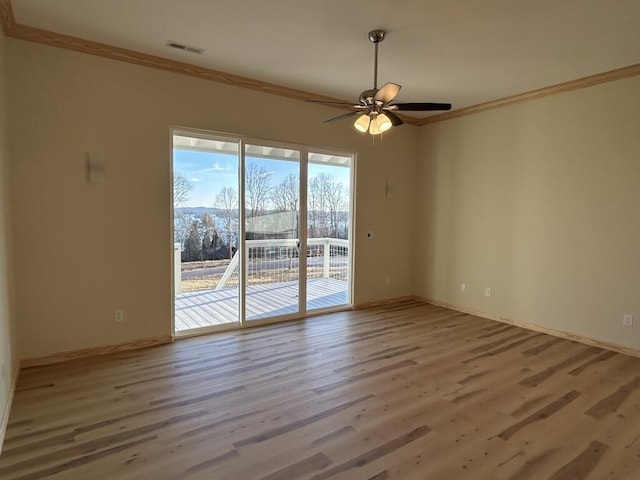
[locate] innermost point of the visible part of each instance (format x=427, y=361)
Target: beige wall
x=536, y=201
x=8, y=352
x=540, y=202
x=86, y=249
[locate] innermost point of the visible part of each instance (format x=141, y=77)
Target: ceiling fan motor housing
x=366, y=97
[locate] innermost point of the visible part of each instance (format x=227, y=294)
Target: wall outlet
x=463, y=287
x=119, y=315
x=627, y=320
x=487, y=292
x=387, y=280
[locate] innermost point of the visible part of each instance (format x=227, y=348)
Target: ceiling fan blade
x=396, y=121
x=326, y=102
x=420, y=107
x=387, y=93
x=346, y=115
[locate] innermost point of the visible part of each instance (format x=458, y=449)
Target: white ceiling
x=461, y=51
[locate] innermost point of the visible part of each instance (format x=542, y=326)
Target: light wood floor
x=410, y=391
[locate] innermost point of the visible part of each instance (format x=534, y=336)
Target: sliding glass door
x=271, y=192
x=328, y=230
x=261, y=231
x=206, y=201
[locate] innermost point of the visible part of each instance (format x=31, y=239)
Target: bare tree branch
x=181, y=188
x=257, y=183
x=227, y=203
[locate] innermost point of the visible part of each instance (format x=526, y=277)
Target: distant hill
x=196, y=211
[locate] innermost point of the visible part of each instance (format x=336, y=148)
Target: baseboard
x=382, y=303
x=94, y=351
x=7, y=407
x=537, y=328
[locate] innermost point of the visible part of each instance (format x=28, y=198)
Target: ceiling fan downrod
x=375, y=37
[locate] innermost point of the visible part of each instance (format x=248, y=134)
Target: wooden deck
x=220, y=307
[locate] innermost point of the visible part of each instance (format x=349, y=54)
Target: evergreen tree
x=193, y=244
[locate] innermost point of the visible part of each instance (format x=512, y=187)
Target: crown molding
x=591, y=80
x=59, y=40
x=46, y=37
x=7, y=21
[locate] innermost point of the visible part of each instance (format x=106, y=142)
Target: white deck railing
x=278, y=260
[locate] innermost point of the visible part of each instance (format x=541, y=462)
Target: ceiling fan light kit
x=373, y=123
x=375, y=109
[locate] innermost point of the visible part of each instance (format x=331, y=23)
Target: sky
x=210, y=172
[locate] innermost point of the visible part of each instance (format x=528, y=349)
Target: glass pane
x=272, y=186
x=205, y=197
x=328, y=227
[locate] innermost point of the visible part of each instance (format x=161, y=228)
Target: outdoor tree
x=257, y=183
x=209, y=235
x=182, y=217
x=317, y=206
x=337, y=202
x=193, y=245
x=181, y=189
x=181, y=224
x=284, y=196
x=227, y=204
x=328, y=200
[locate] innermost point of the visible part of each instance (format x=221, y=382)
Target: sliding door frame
x=303, y=169
x=302, y=232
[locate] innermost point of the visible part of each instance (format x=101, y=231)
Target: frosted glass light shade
x=384, y=123
x=374, y=128
x=362, y=123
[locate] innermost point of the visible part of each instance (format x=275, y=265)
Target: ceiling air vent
x=185, y=47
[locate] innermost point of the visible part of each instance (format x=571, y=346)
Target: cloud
x=219, y=168
x=195, y=179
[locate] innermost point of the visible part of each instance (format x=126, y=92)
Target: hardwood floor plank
x=583, y=464
x=541, y=348
x=372, y=373
x=266, y=435
x=82, y=460
x=529, y=469
x=332, y=436
x=612, y=402
x=83, y=448
x=602, y=357
x=213, y=462
x=535, y=380
x=374, y=454
x=541, y=414
x=396, y=392
x=303, y=467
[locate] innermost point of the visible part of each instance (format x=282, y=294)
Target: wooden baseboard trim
x=95, y=351
x=537, y=328
x=7, y=407
x=382, y=303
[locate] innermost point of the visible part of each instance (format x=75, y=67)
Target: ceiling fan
x=375, y=110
